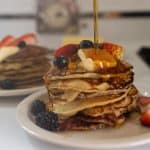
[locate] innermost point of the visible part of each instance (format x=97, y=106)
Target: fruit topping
x=7, y=84
x=48, y=121
x=37, y=107
x=27, y=38
x=5, y=52
x=145, y=118
x=6, y=40
x=22, y=44
x=95, y=59
x=61, y=62
x=86, y=44
x=115, y=50
x=87, y=63
x=67, y=50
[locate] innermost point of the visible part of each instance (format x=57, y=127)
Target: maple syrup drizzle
x=96, y=32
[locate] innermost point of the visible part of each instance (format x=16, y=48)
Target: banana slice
x=5, y=52
x=95, y=59
x=103, y=87
x=87, y=63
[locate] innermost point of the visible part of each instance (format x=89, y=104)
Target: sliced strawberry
x=144, y=101
x=145, y=119
x=6, y=40
x=28, y=38
x=67, y=50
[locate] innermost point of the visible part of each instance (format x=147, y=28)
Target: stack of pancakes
x=86, y=100
x=25, y=68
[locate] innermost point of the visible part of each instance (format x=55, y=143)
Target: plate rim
x=20, y=92
x=37, y=132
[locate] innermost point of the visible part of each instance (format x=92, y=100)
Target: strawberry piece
x=144, y=101
x=6, y=40
x=145, y=119
x=67, y=50
x=28, y=38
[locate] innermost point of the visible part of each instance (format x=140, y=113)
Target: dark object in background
x=144, y=53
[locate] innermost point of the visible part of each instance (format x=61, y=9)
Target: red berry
x=27, y=38
x=145, y=119
x=6, y=40
x=144, y=101
x=67, y=50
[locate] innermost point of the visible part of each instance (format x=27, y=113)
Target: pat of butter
x=5, y=52
x=87, y=63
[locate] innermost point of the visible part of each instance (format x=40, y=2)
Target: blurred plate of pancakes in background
x=22, y=65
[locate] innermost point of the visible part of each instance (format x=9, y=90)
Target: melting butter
x=95, y=59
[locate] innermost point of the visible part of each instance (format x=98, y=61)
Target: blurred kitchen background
x=120, y=20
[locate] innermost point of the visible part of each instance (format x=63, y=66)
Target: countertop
x=12, y=137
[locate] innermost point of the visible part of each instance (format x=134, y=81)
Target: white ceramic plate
x=130, y=135
x=20, y=92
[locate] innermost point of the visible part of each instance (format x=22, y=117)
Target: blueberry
x=61, y=62
x=22, y=44
x=7, y=84
x=48, y=121
x=37, y=107
x=86, y=44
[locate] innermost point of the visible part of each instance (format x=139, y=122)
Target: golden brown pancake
x=87, y=95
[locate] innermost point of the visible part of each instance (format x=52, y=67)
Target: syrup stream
x=96, y=32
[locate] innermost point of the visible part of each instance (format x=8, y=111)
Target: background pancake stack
x=25, y=68
x=86, y=99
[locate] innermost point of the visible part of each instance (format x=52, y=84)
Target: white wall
x=29, y=6
x=17, y=6
x=116, y=5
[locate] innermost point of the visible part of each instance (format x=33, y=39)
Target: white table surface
x=12, y=137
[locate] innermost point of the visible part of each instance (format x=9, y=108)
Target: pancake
x=31, y=59
x=79, y=124
x=22, y=77
x=7, y=66
x=71, y=108
x=32, y=51
x=117, y=108
x=95, y=90
x=55, y=74
x=27, y=70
